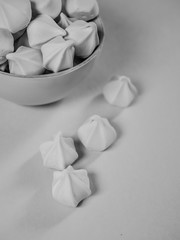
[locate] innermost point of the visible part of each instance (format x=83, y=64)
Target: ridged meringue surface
x=85, y=37
x=42, y=29
x=15, y=15
x=64, y=21
x=120, y=91
x=6, y=44
x=58, y=54
x=97, y=133
x=59, y=153
x=25, y=61
x=82, y=9
x=71, y=186
x=49, y=7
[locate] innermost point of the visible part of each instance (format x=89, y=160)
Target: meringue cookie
x=120, y=91
x=59, y=153
x=85, y=37
x=15, y=15
x=70, y=186
x=82, y=9
x=58, y=54
x=6, y=44
x=49, y=7
x=25, y=61
x=42, y=29
x=97, y=133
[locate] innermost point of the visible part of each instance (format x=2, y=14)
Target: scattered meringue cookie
x=97, y=133
x=25, y=61
x=82, y=9
x=65, y=21
x=58, y=54
x=70, y=186
x=120, y=91
x=3, y=66
x=85, y=37
x=15, y=15
x=42, y=29
x=49, y=7
x=59, y=153
x=6, y=44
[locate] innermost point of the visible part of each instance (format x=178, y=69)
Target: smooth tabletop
x=136, y=182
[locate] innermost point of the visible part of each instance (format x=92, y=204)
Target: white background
x=136, y=182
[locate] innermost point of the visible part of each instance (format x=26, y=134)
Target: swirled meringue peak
x=59, y=153
x=82, y=9
x=25, y=61
x=71, y=186
x=58, y=54
x=42, y=29
x=97, y=133
x=85, y=37
x=49, y=7
x=120, y=91
x=6, y=44
x=15, y=15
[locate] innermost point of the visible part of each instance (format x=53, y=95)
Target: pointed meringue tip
x=124, y=79
x=10, y=56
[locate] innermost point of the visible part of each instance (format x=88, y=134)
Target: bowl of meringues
x=50, y=53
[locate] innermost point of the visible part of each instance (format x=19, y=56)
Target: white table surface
x=136, y=182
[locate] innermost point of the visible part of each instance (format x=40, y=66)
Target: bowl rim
x=100, y=25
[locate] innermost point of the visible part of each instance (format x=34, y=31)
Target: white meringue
x=58, y=54
x=70, y=186
x=49, y=7
x=6, y=44
x=120, y=91
x=25, y=61
x=59, y=153
x=42, y=29
x=85, y=37
x=15, y=15
x=82, y=9
x=97, y=133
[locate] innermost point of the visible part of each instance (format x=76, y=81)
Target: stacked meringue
x=57, y=30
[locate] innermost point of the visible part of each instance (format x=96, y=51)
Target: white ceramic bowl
x=48, y=88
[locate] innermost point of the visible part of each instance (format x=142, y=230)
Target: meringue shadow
x=93, y=186
x=41, y=212
x=100, y=106
x=79, y=149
